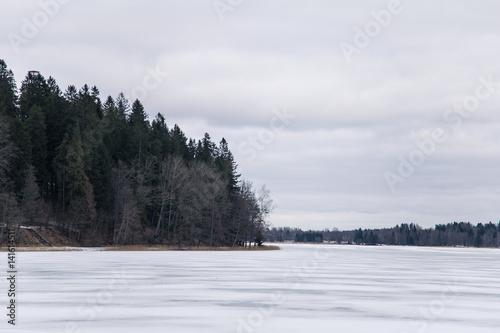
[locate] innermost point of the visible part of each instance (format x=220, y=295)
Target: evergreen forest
x=102, y=173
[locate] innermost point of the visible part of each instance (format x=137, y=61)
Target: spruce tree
x=178, y=142
x=34, y=91
x=139, y=130
x=160, y=137
x=6, y=150
x=8, y=91
x=227, y=167
x=20, y=156
x=71, y=169
x=35, y=125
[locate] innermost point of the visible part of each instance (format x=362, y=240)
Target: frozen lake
x=302, y=288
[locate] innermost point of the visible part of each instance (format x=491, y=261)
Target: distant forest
x=451, y=234
x=102, y=173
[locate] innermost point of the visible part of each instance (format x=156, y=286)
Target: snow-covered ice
x=302, y=288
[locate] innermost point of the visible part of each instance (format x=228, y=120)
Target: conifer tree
x=8, y=91
x=227, y=167
x=178, y=142
x=160, y=137
x=139, y=128
x=20, y=155
x=34, y=91
x=6, y=150
x=35, y=125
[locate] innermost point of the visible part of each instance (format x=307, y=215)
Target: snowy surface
x=302, y=288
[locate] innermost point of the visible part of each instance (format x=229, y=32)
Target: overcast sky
x=354, y=113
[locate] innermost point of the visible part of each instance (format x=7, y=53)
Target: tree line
x=101, y=172
x=451, y=234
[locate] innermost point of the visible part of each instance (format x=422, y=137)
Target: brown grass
x=192, y=248
x=42, y=249
x=143, y=248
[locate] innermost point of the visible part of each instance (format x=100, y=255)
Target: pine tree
x=115, y=129
x=192, y=148
x=6, y=150
x=178, y=142
x=226, y=165
x=58, y=122
x=56, y=118
x=139, y=126
x=14, y=140
x=71, y=96
x=160, y=137
x=35, y=125
x=206, y=150
x=86, y=107
x=34, y=91
x=97, y=102
x=75, y=173
x=8, y=91
x=100, y=174
x=70, y=163
x=20, y=155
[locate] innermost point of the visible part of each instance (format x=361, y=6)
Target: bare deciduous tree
x=32, y=203
x=173, y=177
x=11, y=216
x=83, y=211
x=200, y=204
x=126, y=216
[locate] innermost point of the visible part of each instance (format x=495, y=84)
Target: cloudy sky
x=354, y=113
